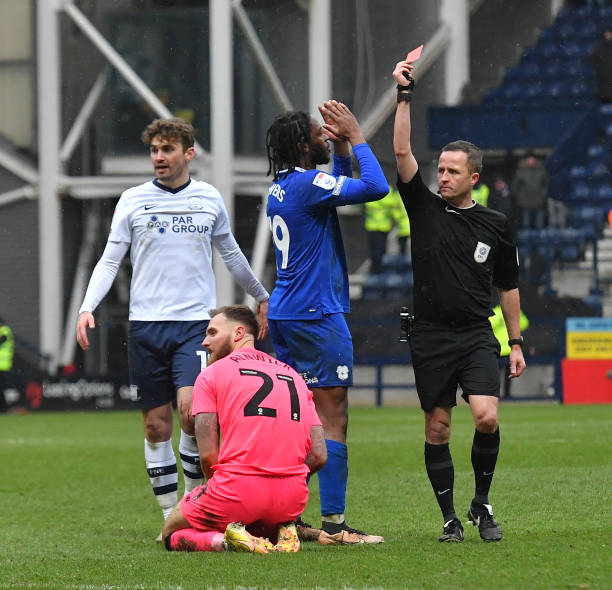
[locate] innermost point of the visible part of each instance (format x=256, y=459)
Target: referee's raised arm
x=406, y=163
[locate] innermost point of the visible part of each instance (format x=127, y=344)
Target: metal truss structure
x=219, y=166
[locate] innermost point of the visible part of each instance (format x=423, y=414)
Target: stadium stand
x=551, y=90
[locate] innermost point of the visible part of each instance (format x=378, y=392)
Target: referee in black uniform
x=459, y=250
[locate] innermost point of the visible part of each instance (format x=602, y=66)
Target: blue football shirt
x=312, y=276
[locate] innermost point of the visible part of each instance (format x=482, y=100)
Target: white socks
x=161, y=467
x=190, y=459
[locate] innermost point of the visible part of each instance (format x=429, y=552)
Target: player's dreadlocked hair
x=286, y=132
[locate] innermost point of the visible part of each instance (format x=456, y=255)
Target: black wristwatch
x=514, y=341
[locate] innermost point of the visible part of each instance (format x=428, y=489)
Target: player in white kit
x=170, y=226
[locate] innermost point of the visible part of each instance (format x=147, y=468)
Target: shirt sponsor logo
x=343, y=372
x=482, y=252
x=324, y=180
x=155, y=223
x=184, y=224
x=180, y=224
x=309, y=380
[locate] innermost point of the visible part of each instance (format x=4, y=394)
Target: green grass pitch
x=78, y=513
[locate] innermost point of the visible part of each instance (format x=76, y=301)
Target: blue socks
x=333, y=478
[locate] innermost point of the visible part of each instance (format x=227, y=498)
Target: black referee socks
x=485, y=449
x=441, y=473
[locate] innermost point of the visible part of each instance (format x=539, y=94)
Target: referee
x=459, y=251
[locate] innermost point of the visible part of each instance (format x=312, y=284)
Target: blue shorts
x=163, y=356
x=319, y=350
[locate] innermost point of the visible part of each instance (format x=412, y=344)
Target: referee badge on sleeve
x=482, y=252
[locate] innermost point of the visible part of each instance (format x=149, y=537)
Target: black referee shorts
x=444, y=357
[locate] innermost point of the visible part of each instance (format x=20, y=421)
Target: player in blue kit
x=170, y=225
x=311, y=296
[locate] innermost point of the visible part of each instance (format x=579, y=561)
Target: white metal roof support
x=49, y=209
x=81, y=120
x=119, y=63
x=455, y=13
x=261, y=56
x=319, y=53
x=261, y=244
x=81, y=278
x=18, y=166
x=222, y=126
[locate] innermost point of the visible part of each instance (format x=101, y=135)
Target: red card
x=414, y=54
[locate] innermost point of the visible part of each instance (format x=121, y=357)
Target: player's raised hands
x=340, y=123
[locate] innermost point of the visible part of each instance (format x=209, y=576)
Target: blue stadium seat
x=548, y=48
x=398, y=285
x=582, y=216
x=586, y=28
x=374, y=287
x=512, y=90
x=580, y=87
x=598, y=169
x=565, y=29
x=396, y=263
x=580, y=190
x=554, y=67
x=556, y=89
x=604, y=193
x=578, y=172
x=597, y=151
x=577, y=67
x=534, y=89
x=606, y=110
x=530, y=66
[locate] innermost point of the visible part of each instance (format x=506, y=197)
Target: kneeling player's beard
x=220, y=351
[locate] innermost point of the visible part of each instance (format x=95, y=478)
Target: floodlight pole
x=222, y=126
x=319, y=53
x=456, y=14
x=50, y=270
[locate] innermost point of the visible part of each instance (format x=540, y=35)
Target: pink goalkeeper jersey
x=265, y=413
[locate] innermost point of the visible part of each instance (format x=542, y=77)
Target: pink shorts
x=260, y=502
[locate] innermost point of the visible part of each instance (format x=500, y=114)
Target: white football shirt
x=170, y=234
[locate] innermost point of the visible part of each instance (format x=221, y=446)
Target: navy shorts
x=163, y=356
x=445, y=357
x=321, y=350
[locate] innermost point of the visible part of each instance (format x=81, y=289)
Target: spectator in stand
x=501, y=200
x=601, y=58
x=7, y=349
x=400, y=217
x=530, y=189
x=480, y=194
x=378, y=224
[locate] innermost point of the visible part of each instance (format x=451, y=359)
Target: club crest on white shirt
x=326, y=181
x=482, y=252
x=196, y=203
